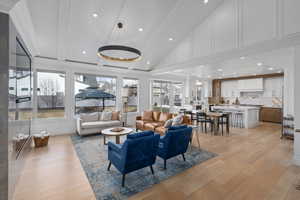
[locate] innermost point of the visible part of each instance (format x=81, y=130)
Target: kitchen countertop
x=250, y=105
x=237, y=107
x=250, y=113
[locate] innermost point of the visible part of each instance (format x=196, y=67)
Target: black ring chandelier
x=101, y=51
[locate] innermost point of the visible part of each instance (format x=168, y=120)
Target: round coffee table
x=109, y=132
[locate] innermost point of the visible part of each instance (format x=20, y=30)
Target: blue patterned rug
x=107, y=184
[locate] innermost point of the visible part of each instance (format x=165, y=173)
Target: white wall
x=297, y=105
x=67, y=124
x=238, y=26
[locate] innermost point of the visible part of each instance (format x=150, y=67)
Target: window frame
x=171, y=93
x=36, y=93
x=96, y=75
x=138, y=93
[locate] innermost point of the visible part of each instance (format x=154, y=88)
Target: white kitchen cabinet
x=251, y=85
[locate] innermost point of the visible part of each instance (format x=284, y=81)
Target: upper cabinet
x=251, y=85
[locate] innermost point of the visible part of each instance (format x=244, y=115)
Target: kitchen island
x=250, y=113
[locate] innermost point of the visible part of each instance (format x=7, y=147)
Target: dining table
x=215, y=116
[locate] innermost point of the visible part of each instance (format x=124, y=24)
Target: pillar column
x=297, y=105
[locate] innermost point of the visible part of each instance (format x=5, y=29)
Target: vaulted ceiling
x=75, y=29
x=262, y=63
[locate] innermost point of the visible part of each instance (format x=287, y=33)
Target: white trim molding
x=21, y=18
x=7, y=5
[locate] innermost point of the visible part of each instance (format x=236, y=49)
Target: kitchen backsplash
x=271, y=96
x=266, y=101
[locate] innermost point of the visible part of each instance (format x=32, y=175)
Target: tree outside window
x=130, y=95
x=50, y=94
x=166, y=95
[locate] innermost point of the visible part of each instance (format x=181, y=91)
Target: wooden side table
x=109, y=132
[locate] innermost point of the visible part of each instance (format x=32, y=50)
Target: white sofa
x=92, y=123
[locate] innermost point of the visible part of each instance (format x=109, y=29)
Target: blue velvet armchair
x=137, y=152
x=174, y=142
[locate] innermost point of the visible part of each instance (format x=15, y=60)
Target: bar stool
x=240, y=119
x=233, y=119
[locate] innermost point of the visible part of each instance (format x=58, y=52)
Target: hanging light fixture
x=129, y=54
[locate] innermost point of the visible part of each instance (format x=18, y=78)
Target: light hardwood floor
x=252, y=164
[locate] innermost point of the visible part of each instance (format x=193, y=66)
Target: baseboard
x=61, y=134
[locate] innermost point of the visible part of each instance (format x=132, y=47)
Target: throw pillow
x=168, y=123
x=115, y=115
x=177, y=120
x=164, y=116
x=156, y=115
x=106, y=116
x=89, y=117
x=147, y=116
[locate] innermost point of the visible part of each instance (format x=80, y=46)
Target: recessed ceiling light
x=141, y=29
x=148, y=62
x=83, y=52
x=259, y=64
x=279, y=71
x=220, y=70
x=209, y=76
x=171, y=39
x=205, y=1
x=95, y=15
x=242, y=58
x=270, y=68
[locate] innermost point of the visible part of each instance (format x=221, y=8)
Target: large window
x=178, y=94
x=50, y=94
x=130, y=95
x=94, y=93
x=166, y=95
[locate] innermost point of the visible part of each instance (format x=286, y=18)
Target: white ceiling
x=6, y=5
x=272, y=62
x=66, y=28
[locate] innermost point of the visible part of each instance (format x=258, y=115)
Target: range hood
x=251, y=85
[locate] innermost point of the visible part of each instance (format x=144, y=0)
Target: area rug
x=107, y=184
